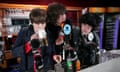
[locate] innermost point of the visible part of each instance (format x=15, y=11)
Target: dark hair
x=37, y=15
x=90, y=19
x=53, y=12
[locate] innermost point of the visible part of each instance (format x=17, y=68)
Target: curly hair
x=53, y=12
x=37, y=15
x=90, y=19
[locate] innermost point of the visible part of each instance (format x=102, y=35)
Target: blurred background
x=14, y=14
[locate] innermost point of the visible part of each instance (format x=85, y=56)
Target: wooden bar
x=97, y=9
x=113, y=9
x=28, y=6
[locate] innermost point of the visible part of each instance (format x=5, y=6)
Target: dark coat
x=87, y=51
x=53, y=32
x=27, y=59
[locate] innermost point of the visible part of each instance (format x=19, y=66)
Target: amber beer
x=42, y=38
x=45, y=42
x=77, y=65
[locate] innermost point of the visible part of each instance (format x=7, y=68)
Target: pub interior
x=14, y=15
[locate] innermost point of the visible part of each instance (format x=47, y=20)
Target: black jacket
x=87, y=51
x=53, y=32
x=27, y=59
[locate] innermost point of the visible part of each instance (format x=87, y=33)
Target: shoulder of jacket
x=25, y=30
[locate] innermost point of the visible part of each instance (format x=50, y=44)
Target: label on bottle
x=69, y=64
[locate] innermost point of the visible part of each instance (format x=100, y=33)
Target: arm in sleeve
x=18, y=46
x=97, y=39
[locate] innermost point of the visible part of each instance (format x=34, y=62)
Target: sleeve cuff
x=27, y=47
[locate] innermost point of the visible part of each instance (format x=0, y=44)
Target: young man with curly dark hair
x=56, y=15
x=88, y=39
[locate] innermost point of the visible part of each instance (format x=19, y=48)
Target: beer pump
x=69, y=53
